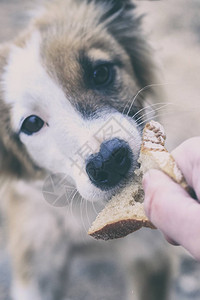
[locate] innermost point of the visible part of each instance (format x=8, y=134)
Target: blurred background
x=173, y=30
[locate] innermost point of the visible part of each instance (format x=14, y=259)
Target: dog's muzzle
x=107, y=168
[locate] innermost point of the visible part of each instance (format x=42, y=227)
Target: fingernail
x=171, y=241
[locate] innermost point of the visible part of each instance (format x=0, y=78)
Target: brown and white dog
x=70, y=77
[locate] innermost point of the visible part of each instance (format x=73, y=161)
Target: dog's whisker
x=149, y=107
x=131, y=99
x=81, y=216
x=71, y=203
x=94, y=208
x=140, y=91
x=170, y=112
x=155, y=117
x=67, y=197
x=126, y=105
x=153, y=111
x=82, y=208
x=54, y=203
x=71, y=196
x=87, y=215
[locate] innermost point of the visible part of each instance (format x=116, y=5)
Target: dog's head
x=67, y=91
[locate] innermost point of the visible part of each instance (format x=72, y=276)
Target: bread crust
x=120, y=229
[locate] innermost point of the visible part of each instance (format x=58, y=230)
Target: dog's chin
x=93, y=194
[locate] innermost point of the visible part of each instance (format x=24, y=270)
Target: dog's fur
x=46, y=72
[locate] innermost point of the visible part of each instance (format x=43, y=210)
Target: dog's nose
x=110, y=165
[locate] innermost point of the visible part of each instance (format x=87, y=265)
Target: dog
x=75, y=88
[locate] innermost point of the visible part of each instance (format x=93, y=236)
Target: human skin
x=169, y=207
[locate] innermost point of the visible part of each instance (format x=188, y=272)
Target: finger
x=188, y=159
x=171, y=210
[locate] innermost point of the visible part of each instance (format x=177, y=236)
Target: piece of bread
x=153, y=154
x=124, y=213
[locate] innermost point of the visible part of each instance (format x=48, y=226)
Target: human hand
x=169, y=207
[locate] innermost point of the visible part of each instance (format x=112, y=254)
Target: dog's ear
x=125, y=25
x=117, y=7
x=113, y=7
x=122, y=21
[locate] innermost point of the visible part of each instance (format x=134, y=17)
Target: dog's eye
x=102, y=74
x=32, y=124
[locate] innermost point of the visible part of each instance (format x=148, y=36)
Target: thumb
x=171, y=210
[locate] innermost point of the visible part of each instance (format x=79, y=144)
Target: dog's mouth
x=108, y=171
x=111, y=160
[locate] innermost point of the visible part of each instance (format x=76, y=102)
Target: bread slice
x=124, y=213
